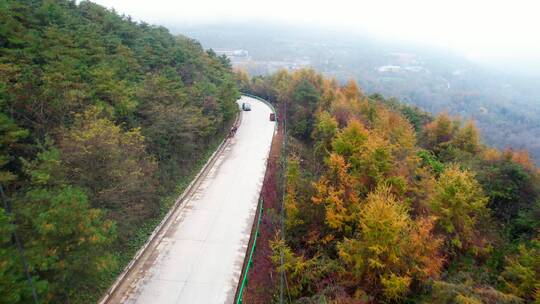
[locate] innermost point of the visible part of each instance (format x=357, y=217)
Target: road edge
x=166, y=219
x=259, y=210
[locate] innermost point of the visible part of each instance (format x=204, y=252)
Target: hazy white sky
x=488, y=29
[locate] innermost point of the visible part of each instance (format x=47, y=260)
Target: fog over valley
x=504, y=102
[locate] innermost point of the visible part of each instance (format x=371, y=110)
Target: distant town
x=241, y=59
x=400, y=62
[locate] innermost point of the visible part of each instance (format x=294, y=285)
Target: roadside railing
x=158, y=230
x=254, y=234
x=239, y=299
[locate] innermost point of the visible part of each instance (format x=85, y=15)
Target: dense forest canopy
x=385, y=203
x=101, y=118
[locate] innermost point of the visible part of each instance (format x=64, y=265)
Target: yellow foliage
x=468, y=138
x=336, y=190
x=396, y=129
x=459, y=203
x=324, y=131
x=310, y=75
x=390, y=246
x=440, y=131
x=461, y=299
x=351, y=91
x=291, y=206
x=491, y=154
x=96, y=150
x=520, y=157
x=395, y=287
x=372, y=161
x=382, y=222
x=521, y=275
x=350, y=141
x=296, y=268
x=329, y=94
x=424, y=248
x=345, y=110
x=282, y=84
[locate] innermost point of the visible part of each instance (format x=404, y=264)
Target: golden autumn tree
x=520, y=157
x=303, y=274
x=329, y=94
x=438, y=133
x=468, y=139
x=374, y=252
x=344, y=110
x=377, y=164
x=396, y=129
x=370, y=156
x=337, y=191
x=310, y=75
x=295, y=267
x=351, y=90
x=390, y=251
x=351, y=140
x=281, y=81
x=491, y=155
x=399, y=140
x=459, y=204
x=423, y=248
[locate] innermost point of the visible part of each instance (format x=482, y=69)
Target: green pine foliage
x=101, y=119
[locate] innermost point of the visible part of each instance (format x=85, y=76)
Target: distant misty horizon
x=516, y=67
x=504, y=101
x=498, y=33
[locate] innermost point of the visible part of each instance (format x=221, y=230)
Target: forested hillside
x=387, y=204
x=101, y=120
x=504, y=103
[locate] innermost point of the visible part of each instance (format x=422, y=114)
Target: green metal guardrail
x=239, y=300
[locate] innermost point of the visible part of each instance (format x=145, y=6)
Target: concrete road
x=199, y=256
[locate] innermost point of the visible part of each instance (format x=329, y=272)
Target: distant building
x=232, y=53
x=416, y=69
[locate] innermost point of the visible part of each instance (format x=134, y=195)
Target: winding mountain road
x=198, y=255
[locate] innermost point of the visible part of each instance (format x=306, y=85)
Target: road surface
x=199, y=255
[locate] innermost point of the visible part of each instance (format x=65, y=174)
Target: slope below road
x=198, y=256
